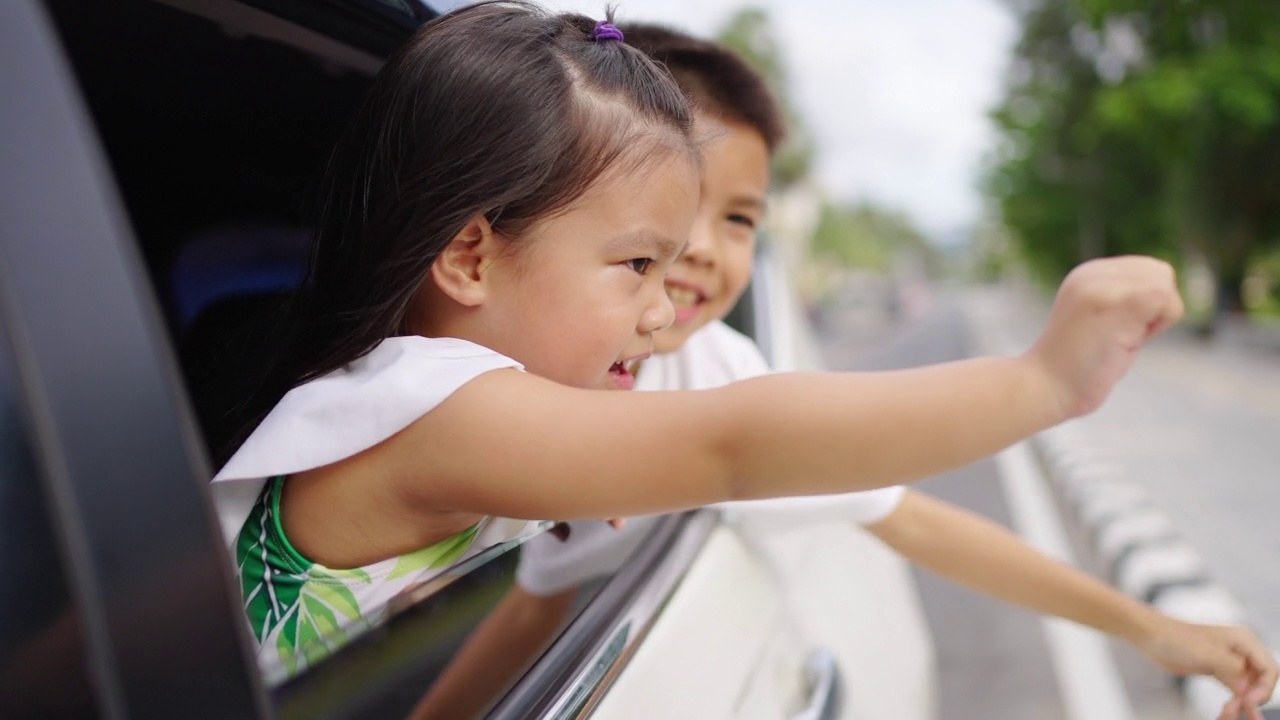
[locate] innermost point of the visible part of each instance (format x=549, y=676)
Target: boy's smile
x=687, y=297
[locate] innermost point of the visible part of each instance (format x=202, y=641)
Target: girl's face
x=709, y=278
x=581, y=294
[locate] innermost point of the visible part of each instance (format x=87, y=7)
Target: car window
x=459, y=648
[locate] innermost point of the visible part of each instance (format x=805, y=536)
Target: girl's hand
x=1233, y=655
x=1105, y=310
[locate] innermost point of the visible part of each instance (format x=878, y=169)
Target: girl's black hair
x=499, y=109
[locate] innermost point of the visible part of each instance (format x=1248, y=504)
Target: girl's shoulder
x=358, y=406
x=348, y=411
x=443, y=348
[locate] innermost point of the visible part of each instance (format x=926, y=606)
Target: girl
x=496, y=229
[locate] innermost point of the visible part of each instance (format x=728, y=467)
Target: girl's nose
x=660, y=313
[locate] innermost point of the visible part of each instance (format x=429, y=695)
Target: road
x=994, y=659
x=1198, y=426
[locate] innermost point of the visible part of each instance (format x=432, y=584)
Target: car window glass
x=458, y=647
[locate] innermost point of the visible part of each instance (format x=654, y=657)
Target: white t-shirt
x=714, y=356
x=347, y=412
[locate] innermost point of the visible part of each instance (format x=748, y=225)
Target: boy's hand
x=1105, y=310
x=1233, y=655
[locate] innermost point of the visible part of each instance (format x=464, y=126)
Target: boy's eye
x=742, y=220
x=640, y=265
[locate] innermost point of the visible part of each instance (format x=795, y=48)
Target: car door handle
x=822, y=676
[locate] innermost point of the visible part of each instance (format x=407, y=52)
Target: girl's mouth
x=621, y=376
x=687, y=301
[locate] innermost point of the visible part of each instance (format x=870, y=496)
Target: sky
x=895, y=91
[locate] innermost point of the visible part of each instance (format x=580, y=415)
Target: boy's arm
x=984, y=556
x=979, y=554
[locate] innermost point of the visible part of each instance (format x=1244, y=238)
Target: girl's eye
x=742, y=220
x=640, y=265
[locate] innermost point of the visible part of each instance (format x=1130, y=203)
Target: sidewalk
x=1174, y=480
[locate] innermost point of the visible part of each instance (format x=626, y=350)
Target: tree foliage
x=1142, y=126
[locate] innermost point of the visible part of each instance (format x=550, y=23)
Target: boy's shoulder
x=720, y=348
x=719, y=336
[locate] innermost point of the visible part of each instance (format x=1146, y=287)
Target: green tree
x=749, y=33
x=1137, y=126
x=1068, y=187
x=1205, y=100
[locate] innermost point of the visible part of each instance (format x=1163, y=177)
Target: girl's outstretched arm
x=979, y=554
x=515, y=445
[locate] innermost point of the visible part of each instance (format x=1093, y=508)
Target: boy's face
x=715, y=268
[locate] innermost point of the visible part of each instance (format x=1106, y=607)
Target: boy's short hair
x=714, y=77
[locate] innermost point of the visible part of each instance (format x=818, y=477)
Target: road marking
x=1087, y=674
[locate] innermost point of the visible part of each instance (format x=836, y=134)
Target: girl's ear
x=459, y=271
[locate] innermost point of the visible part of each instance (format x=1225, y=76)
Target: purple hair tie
x=606, y=30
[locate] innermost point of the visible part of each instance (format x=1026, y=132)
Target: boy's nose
x=701, y=246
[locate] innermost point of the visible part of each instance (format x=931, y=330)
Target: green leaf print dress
x=300, y=611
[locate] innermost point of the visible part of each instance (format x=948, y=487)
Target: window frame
x=575, y=672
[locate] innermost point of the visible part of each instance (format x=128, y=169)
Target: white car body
x=763, y=601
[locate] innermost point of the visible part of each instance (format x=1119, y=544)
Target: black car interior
x=217, y=131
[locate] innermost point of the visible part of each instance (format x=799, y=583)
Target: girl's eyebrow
x=754, y=202
x=647, y=243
